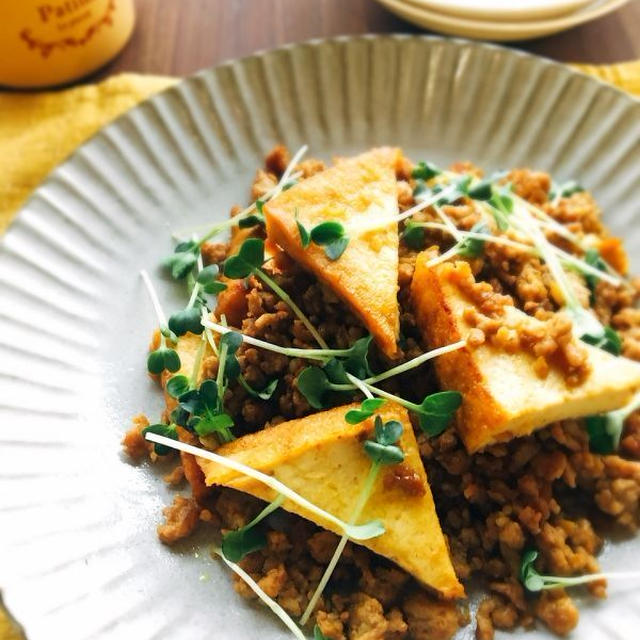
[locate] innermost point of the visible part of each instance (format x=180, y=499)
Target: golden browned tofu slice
x=503, y=396
x=361, y=194
x=321, y=457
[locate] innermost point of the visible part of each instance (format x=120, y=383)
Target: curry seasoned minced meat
x=545, y=490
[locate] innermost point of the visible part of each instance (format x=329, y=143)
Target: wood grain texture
x=179, y=37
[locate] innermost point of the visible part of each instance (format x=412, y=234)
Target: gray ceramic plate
x=79, y=556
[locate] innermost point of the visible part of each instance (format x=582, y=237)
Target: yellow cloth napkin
x=39, y=130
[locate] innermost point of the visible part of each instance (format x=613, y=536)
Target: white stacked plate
x=500, y=19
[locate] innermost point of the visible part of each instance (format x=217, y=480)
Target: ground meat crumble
x=545, y=490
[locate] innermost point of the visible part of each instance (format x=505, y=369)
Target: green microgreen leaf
x=383, y=449
x=610, y=341
x=564, y=190
x=356, y=362
x=249, y=257
x=604, y=433
x=413, y=235
x=421, y=189
x=305, y=238
x=318, y=635
x=425, y=171
x=163, y=358
x=387, y=433
x=501, y=202
x=461, y=190
x=264, y=394
x=436, y=411
x=367, y=408
x=179, y=416
x=593, y=258
x=335, y=249
x=331, y=236
x=183, y=260
x=186, y=320
x=252, y=251
x=383, y=454
x=208, y=394
x=327, y=232
x=213, y=423
x=190, y=402
x=534, y=581
x=584, y=322
x=313, y=384
x=605, y=429
x=474, y=247
x=251, y=221
x=237, y=544
x=529, y=576
x=335, y=371
x=255, y=218
x=177, y=386
x=166, y=430
x=482, y=190
x=208, y=280
x=236, y=268
x=232, y=340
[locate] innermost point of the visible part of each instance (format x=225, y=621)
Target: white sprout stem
x=269, y=195
x=556, y=582
x=414, y=362
x=548, y=220
x=222, y=361
x=544, y=246
x=196, y=285
x=385, y=394
x=312, y=354
x=270, y=602
x=359, y=384
x=265, y=479
x=587, y=268
x=561, y=230
x=370, y=391
x=328, y=572
x=326, y=576
x=157, y=307
x=627, y=410
x=424, y=204
x=235, y=219
x=211, y=340
x=276, y=503
x=292, y=305
x=195, y=371
x=291, y=166
x=448, y=223
x=444, y=257
x=507, y=242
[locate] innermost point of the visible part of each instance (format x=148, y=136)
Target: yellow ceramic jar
x=49, y=42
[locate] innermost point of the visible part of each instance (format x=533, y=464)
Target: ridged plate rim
x=92, y=162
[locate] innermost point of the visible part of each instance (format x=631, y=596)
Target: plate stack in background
x=501, y=20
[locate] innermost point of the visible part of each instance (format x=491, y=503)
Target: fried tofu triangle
x=361, y=194
x=503, y=396
x=321, y=457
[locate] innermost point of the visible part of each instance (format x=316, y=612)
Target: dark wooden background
x=178, y=37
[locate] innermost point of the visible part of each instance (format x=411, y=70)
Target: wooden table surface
x=178, y=37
